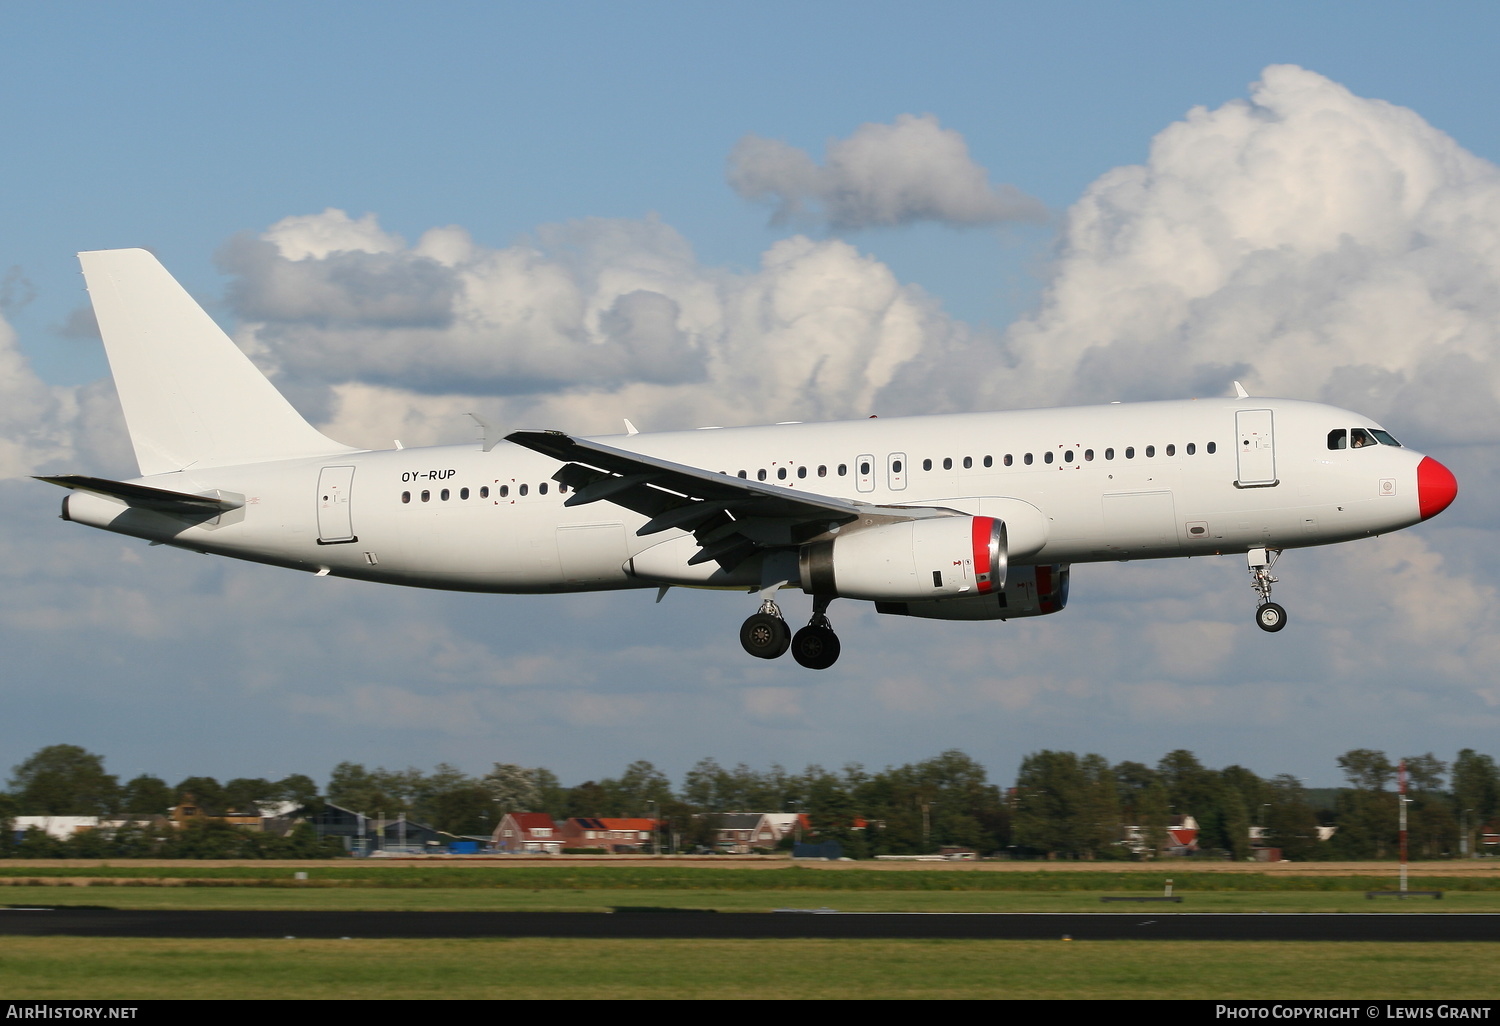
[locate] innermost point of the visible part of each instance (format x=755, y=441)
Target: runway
x=786, y=924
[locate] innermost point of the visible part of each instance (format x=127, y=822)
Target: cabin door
x=1255, y=449
x=334, y=522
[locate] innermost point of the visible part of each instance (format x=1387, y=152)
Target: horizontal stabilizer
x=162, y=500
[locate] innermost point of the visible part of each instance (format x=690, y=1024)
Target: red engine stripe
x=983, y=527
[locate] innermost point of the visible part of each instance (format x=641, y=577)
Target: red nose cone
x=1436, y=487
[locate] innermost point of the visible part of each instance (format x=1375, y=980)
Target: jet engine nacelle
x=1028, y=591
x=939, y=557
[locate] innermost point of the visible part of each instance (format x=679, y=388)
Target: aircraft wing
x=729, y=517
x=162, y=500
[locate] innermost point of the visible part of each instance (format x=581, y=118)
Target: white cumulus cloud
x=912, y=170
x=1308, y=241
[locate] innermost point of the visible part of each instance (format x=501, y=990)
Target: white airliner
x=963, y=517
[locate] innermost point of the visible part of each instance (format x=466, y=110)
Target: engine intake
x=940, y=557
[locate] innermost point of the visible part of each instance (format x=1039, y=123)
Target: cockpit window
x=1384, y=437
x=1338, y=439
x=1359, y=438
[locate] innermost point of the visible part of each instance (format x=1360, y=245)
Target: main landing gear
x=767, y=636
x=1269, y=616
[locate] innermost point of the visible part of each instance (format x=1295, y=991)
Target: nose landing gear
x=767, y=636
x=1269, y=616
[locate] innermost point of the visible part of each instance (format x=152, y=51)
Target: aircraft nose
x=1436, y=487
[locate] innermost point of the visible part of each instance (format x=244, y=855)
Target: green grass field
x=57, y=967
x=32, y=968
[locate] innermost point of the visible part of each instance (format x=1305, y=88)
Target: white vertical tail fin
x=191, y=398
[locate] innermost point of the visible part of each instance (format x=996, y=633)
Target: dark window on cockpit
x=1359, y=438
x=1384, y=437
x=1338, y=439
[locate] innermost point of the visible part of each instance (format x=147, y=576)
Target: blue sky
x=184, y=127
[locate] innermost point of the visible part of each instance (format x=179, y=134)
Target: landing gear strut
x=767, y=636
x=1269, y=616
x=816, y=646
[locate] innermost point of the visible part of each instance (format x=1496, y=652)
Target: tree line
x=1062, y=805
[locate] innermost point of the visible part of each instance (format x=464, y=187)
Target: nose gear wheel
x=1269, y=616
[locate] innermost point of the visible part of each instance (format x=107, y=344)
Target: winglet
x=1239, y=391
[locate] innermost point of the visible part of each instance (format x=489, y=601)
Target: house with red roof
x=527, y=832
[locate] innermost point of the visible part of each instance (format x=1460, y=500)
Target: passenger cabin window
x=1211, y=447
x=521, y=490
x=1171, y=450
x=843, y=469
x=864, y=468
x=406, y=496
x=1047, y=456
x=760, y=475
x=989, y=461
x=1026, y=459
x=1338, y=439
x=1109, y=454
x=926, y=464
x=822, y=470
x=801, y=472
x=947, y=462
x=781, y=473
x=541, y=489
x=1150, y=451
x=1130, y=452
x=1068, y=456
x=1009, y=460
x=742, y=475
x=1088, y=455
x=1191, y=448
x=484, y=492
x=504, y=491
x=463, y=493
x=968, y=462
x=426, y=496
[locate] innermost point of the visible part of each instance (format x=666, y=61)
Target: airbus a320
x=961, y=517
